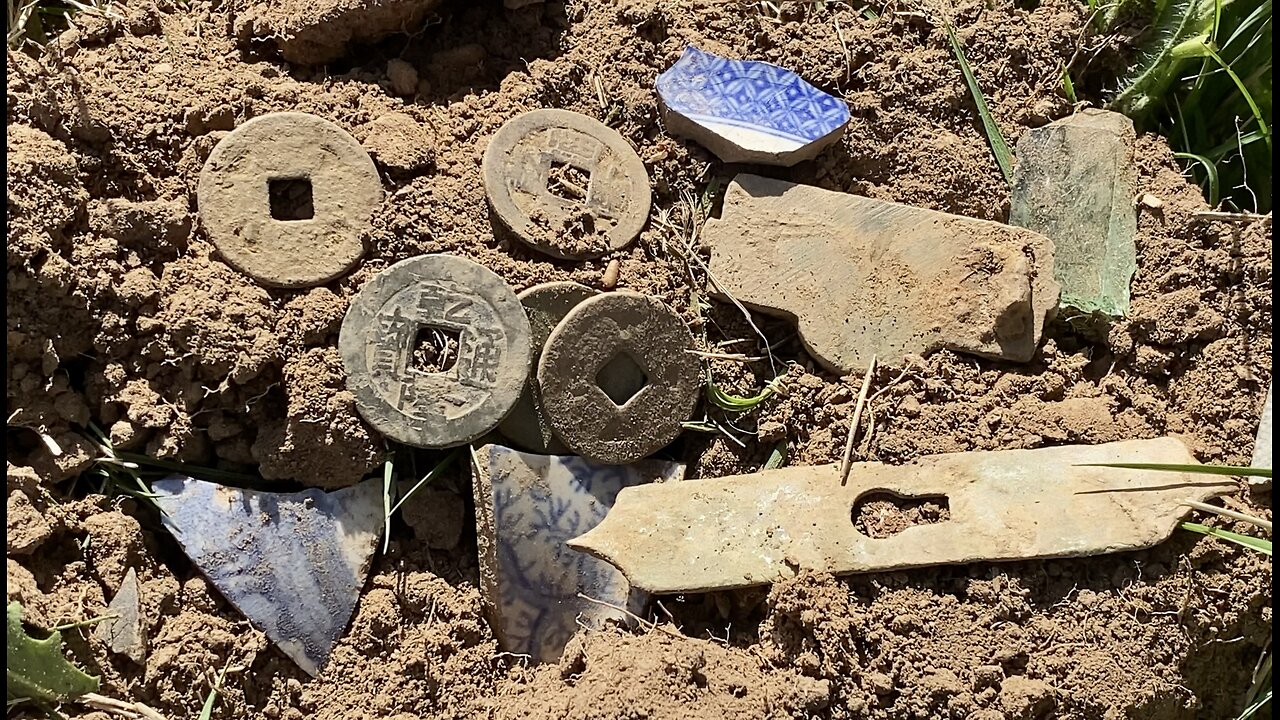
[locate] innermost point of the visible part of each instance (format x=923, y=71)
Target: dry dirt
x=120, y=314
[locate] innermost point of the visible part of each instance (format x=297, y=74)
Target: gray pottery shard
x=527, y=507
x=1075, y=183
x=865, y=277
x=126, y=632
x=293, y=563
x=744, y=530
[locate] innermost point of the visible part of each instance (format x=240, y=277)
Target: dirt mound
x=120, y=313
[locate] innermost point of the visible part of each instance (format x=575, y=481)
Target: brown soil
x=120, y=313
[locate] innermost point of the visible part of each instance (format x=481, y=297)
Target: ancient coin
x=286, y=198
x=566, y=184
x=616, y=378
x=546, y=305
x=436, y=350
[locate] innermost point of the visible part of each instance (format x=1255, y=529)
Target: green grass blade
x=1260, y=692
x=432, y=474
x=207, y=711
x=186, y=469
x=1248, y=97
x=1210, y=173
x=778, y=457
x=736, y=403
x=1197, y=469
x=999, y=148
x=1248, y=541
x=1068, y=87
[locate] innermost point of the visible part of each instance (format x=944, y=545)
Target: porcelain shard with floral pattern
x=746, y=111
x=527, y=507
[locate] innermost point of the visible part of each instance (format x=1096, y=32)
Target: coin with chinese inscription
x=287, y=198
x=566, y=184
x=436, y=350
x=616, y=377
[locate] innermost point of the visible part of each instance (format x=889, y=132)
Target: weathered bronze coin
x=287, y=197
x=546, y=305
x=616, y=378
x=436, y=350
x=566, y=184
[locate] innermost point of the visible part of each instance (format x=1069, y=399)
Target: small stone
x=616, y=378
x=466, y=390
x=126, y=634
x=403, y=77
x=293, y=563
x=398, y=142
x=866, y=277
x=526, y=505
x=1262, y=443
x=25, y=528
x=744, y=530
x=1074, y=183
x=746, y=111
x=546, y=305
x=287, y=198
x=611, y=272
x=566, y=184
x=436, y=516
x=1025, y=698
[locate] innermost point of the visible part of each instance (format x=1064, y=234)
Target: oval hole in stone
x=880, y=514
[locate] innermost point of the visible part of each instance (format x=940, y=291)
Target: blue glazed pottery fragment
x=292, y=563
x=527, y=507
x=746, y=111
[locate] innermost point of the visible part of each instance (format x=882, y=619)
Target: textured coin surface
x=566, y=184
x=587, y=361
x=546, y=305
x=286, y=198
x=445, y=296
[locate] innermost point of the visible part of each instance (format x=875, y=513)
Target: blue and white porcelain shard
x=292, y=563
x=746, y=111
x=527, y=507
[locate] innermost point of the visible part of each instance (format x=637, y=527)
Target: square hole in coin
x=621, y=378
x=291, y=198
x=435, y=349
x=568, y=181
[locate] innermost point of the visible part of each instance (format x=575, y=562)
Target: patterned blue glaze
x=528, y=507
x=750, y=95
x=293, y=563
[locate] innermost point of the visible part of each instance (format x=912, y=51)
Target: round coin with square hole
x=616, y=377
x=436, y=350
x=287, y=197
x=566, y=184
x=546, y=305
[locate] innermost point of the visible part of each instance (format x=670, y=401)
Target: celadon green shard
x=1075, y=183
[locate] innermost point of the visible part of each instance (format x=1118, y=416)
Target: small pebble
x=610, y=280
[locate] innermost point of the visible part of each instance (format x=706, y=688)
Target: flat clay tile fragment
x=744, y=530
x=287, y=198
x=126, y=633
x=293, y=563
x=616, y=377
x=527, y=506
x=1074, y=183
x=865, y=277
x=466, y=390
x=566, y=184
x=746, y=111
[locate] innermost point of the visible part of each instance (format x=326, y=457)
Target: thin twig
x=633, y=616
x=853, y=424
x=1227, y=512
x=131, y=710
x=1233, y=217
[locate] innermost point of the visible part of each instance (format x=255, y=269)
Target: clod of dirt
x=313, y=32
x=25, y=527
x=400, y=143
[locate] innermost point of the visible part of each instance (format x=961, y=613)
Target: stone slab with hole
x=746, y=111
x=526, y=507
x=446, y=297
x=566, y=184
x=769, y=526
x=865, y=277
x=292, y=563
x=616, y=377
x=1074, y=183
x=287, y=199
x=546, y=305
